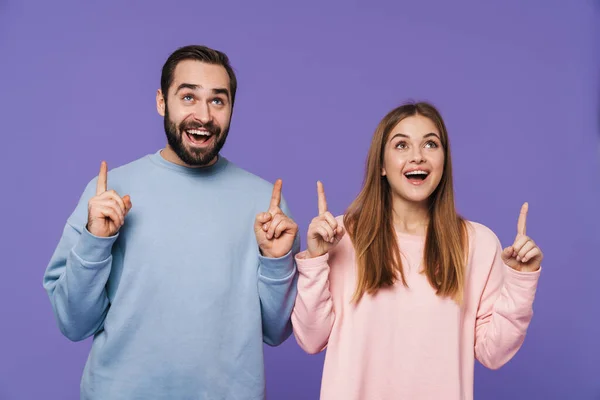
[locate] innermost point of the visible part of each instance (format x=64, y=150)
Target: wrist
x=265, y=253
x=314, y=254
x=532, y=268
x=269, y=254
x=98, y=232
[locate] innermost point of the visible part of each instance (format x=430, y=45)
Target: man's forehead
x=203, y=75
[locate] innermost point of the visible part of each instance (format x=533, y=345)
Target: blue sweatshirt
x=180, y=301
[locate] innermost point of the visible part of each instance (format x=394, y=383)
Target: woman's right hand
x=324, y=232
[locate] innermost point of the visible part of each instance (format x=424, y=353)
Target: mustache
x=209, y=126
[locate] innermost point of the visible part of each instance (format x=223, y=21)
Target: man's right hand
x=106, y=210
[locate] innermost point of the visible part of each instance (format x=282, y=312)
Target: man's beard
x=194, y=156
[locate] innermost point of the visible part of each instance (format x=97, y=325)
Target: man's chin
x=199, y=159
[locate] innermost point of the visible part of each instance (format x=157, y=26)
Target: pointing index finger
x=522, y=223
x=322, y=199
x=276, y=196
x=102, y=179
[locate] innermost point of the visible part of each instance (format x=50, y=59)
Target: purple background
x=518, y=83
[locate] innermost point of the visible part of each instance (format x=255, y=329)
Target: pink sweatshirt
x=408, y=343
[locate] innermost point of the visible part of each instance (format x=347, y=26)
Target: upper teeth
x=417, y=173
x=196, y=132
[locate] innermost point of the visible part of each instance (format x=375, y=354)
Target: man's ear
x=160, y=103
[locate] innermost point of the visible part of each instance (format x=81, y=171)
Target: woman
x=413, y=293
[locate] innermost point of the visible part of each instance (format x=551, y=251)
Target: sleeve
x=504, y=313
x=313, y=315
x=277, y=279
x=75, y=278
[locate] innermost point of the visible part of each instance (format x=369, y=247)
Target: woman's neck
x=410, y=217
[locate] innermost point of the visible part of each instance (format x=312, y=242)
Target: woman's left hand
x=524, y=255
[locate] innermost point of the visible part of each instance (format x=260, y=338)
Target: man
x=182, y=279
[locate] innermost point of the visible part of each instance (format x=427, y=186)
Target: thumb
x=507, y=253
x=261, y=219
x=339, y=234
x=127, y=201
